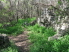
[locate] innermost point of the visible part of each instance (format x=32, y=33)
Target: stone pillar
x=4, y=41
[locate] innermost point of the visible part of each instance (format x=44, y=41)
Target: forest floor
x=21, y=41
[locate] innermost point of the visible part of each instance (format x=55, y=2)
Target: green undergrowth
x=11, y=48
x=26, y=21
x=14, y=28
x=38, y=36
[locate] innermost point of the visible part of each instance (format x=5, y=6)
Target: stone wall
x=55, y=15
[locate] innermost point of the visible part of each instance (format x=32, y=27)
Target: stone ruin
x=4, y=41
x=50, y=18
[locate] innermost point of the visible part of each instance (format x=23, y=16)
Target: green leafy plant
x=14, y=28
x=39, y=39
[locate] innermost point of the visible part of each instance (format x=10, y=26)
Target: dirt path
x=21, y=41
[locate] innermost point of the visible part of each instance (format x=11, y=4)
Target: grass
x=16, y=28
x=26, y=22
x=39, y=39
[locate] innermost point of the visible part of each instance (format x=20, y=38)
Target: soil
x=21, y=41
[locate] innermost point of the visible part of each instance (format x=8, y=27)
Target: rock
x=55, y=37
x=61, y=31
x=4, y=41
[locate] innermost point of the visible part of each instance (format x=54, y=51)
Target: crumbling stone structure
x=55, y=16
x=4, y=41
